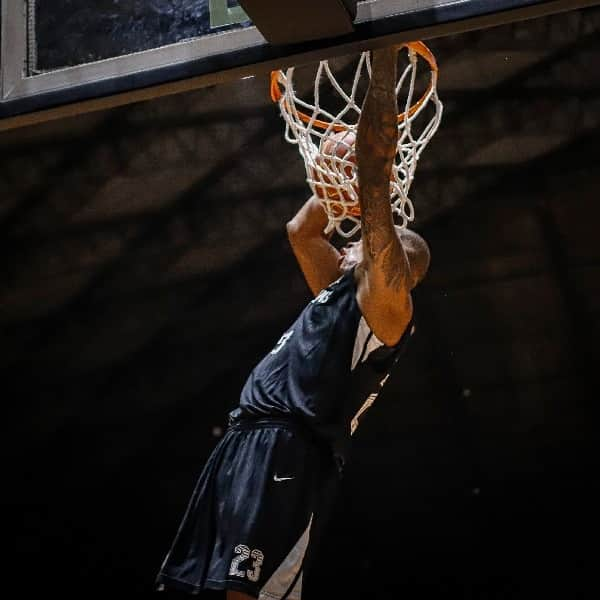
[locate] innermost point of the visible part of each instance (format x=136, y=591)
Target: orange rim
x=419, y=47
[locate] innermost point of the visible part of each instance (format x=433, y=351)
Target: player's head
x=417, y=253
x=415, y=247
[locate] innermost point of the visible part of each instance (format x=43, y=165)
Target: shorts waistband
x=291, y=423
x=245, y=422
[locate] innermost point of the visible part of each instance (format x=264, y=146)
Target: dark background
x=145, y=270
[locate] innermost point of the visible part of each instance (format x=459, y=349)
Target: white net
x=325, y=137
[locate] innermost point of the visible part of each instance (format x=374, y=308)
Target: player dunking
x=261, y=498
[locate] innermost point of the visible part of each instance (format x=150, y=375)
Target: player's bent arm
x=384, y=278
x=317, y=257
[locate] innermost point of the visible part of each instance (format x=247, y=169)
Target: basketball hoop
x=330, y=161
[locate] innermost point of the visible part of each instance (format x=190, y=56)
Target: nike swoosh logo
x=275, y=478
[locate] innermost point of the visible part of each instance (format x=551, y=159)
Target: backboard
x=70, y=56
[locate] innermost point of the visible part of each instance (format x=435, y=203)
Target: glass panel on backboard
x=67, y=33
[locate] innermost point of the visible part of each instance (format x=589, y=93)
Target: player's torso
x=320, y=371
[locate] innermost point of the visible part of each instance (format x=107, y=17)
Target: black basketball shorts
x=248, y=524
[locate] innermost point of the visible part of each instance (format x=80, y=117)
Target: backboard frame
x=225, y=56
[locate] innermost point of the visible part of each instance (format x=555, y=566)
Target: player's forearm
x=378, y=127
x=318, y=261
x=309, y=222
x=316, y=256
x=376, y=148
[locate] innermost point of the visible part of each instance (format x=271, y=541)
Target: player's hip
x=248, y=524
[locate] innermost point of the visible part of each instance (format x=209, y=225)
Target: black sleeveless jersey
x=326, y=370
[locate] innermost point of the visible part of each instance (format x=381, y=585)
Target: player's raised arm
x=385, y=279
x=317, y=257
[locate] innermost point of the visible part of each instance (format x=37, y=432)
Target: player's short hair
x=417, y=252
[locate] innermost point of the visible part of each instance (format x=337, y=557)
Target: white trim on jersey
x=364, y=343
x=278, y=586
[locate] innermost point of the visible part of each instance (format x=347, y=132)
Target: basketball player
x=262, y=496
